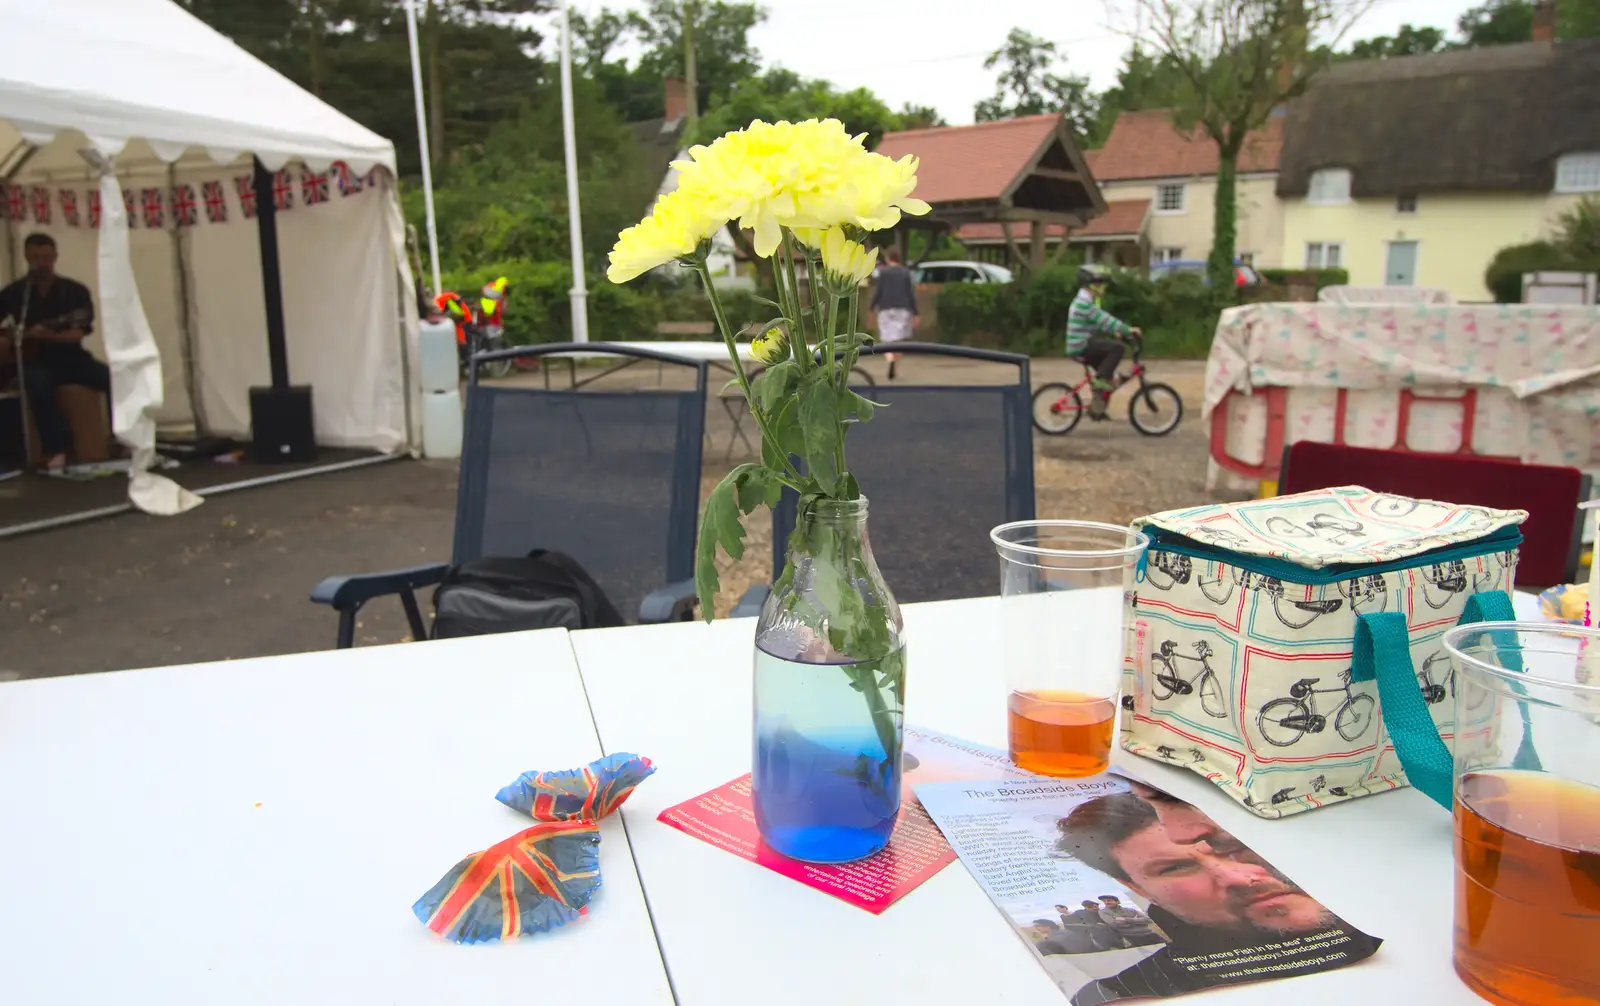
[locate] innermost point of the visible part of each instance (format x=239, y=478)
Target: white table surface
x=257, y=831
x=711, y=352
x=733, y=932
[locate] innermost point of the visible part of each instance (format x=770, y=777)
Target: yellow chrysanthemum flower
x=846, y=262
x=771, y=346
x=674, y=228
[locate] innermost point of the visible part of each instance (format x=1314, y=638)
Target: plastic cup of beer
x=1061, y=594
x=1527, y=811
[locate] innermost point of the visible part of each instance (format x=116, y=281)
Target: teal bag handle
x=1383, y=654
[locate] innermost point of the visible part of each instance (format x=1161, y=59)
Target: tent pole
x=271, y=281
x=180, y=272
x=579, y=292
x=422, y=144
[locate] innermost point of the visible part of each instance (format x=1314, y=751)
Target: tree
x=919, y=116
x=1240, y=59
x=441, y=26
x=1408, y=41
x=723, y=54
x=1026, y=85
x=1143, y=82
x=1497, y=22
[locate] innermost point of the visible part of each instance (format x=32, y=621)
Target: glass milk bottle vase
x=829, y=693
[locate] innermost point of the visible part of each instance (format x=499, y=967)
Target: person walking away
x=52, y=314
x=894, y=298
x=1095, y=336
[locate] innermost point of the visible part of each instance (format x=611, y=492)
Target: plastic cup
x=1061, y=594
x=1527, y=811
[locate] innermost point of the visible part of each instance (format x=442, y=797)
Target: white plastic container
x=436, y=358
x=441, y=424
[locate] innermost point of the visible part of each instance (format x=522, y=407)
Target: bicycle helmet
x=1091, y=274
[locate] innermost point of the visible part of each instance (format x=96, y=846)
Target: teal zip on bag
x=1288, y=649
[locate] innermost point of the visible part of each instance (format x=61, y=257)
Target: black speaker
x=280, y=425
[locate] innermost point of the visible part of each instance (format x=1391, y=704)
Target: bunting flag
x=313, y=187
x=283, y=190
x=17, y=203
x=349, y=181
x=94, y=209
x=216, y=202
x=154, y=209
x=246, y=187
x=587, y=793
x=184, y=208
x=130, y=207
x=69, y=208
x=41, y=204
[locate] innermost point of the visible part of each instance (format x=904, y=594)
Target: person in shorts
x=894, y=298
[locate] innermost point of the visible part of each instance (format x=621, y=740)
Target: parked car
x=960, y=272
x=1243, y=275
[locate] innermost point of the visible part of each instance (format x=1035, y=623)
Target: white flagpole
x=579, y=292
x=422, y=139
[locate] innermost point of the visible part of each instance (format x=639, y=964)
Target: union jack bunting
x=245, y=185
x=349, y=181
x=154, y=209
x=17, y=202
x=94, y=209
x=216, y=202
x=69, y=208
x=584, y=794
x=536, y=880
x=41, y=204
x=313, y=187
x=184, y=209
x=283, y=190
x=130, y=206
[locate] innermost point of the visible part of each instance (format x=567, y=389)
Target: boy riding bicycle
x=1095, y=337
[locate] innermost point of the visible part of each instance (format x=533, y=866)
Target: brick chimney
x=1544, y=21
x=677, y=97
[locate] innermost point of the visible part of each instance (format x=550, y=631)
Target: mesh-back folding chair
x=609, y=477
x=940, y=465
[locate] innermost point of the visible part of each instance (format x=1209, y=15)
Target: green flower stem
x=794, y=480
x=841, y=373
x=802, y=351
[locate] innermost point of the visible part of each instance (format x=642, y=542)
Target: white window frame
x=1320, y=259
x=1183, y=198
x=1324, y=179
x=1159, y=256
x=1400, y=208
x=1416, y=263
x=1578, y=172
x=1245, y=258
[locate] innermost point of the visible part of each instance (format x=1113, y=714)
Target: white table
x=733, y=932
x=256, y=831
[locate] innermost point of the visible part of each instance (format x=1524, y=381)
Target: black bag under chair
x=542, y=590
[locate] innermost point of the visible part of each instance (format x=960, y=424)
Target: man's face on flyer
x=1184, y=822
x=1215, y=882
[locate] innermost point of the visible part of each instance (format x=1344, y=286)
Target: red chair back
x=1550, y=494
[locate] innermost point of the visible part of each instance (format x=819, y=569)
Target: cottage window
x=1324, y=254
x=1329, y=187
x=1170, y=198
x=1405, y=203
x=1160, y=255
x=1578, y=173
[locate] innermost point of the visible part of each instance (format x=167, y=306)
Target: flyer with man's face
x=1124, y=891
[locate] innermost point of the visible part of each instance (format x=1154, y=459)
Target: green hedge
x=1504, y=275
x=1324, y=277
x=1178, y=313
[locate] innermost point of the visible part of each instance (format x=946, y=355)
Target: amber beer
x=1528, y=888
x=1060, y=733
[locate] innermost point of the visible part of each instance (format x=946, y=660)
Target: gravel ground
x=230, y=579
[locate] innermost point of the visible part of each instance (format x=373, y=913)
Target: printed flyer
x=1123, y=891
x=916, y=851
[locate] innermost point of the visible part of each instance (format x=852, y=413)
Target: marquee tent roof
x=125, y=70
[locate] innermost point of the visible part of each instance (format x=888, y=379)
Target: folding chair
x=942, y=464
x=1550, y=494
x=610, y=477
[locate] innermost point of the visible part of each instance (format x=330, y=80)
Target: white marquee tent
x=127, y=132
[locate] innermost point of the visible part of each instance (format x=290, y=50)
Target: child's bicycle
x=1155, y=410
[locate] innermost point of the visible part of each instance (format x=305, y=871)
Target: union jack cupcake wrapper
x=542, y=877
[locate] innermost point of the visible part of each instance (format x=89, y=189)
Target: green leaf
x=763, y=300
x=859, y=408
x=786, y=427
x=774, y=384
x=732, y=383
x=719, y=525
x=756, y=487
x=819, y=422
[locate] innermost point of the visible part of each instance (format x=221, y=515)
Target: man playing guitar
x=52, y=314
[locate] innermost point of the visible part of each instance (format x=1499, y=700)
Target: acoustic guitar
x=30, y=346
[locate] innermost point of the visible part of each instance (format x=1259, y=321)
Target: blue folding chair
x=609, y=477
x=941, y=465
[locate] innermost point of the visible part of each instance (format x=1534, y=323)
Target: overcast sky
x=931, y=52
